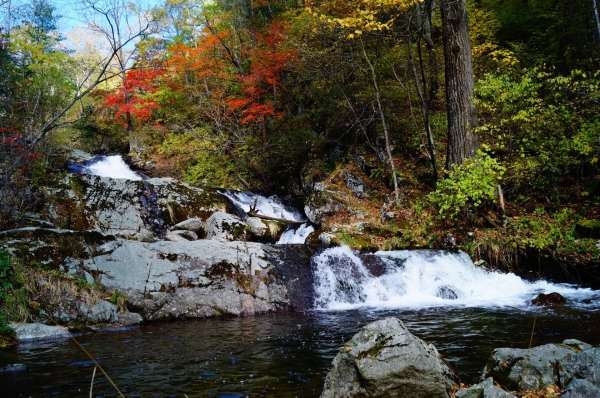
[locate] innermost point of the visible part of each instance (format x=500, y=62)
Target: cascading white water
x=109, y=166
x=273, y=207
x=421, y=278
x=296, y=235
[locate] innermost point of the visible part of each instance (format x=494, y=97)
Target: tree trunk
x=596, y=19
x=463, y=141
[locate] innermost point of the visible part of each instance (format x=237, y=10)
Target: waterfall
x=272, y=207
x=106, y=166
x=421, y=278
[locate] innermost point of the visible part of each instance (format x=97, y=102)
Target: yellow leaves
x=366, y=15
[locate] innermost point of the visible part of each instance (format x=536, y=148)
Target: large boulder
x=225, y=227
x=542, y=366
x=321, y=205
x=385, y=360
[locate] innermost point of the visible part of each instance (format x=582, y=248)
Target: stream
x=271, y=355
x=442, y=297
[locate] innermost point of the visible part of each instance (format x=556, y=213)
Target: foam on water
x=109, y=166
x=422, y=278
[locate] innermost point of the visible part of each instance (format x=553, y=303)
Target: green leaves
x=468, y=185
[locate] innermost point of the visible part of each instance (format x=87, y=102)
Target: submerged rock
x=549, y=299
x=14, y=368
x=385, y=360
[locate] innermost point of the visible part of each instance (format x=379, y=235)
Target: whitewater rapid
x=422, y=278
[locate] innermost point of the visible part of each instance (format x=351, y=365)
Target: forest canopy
x=448, y=104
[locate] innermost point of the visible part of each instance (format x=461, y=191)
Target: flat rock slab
x=38, y=331
x=165, y=280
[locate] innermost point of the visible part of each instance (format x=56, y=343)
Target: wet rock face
x=385, y=360
x=550, y=364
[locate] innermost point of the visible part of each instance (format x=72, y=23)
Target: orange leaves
x=267, y=64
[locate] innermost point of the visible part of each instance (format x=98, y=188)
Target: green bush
x=468, y=185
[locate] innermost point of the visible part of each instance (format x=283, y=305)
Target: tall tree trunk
x=463, y=141
x=596, y=19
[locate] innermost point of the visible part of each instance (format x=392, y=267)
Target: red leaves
x=134, y=97
x=267, y=63
x=13, y=144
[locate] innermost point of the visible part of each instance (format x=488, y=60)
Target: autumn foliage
x=134, y=97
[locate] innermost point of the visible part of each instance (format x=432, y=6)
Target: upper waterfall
x=107, y=166
x=421, y=278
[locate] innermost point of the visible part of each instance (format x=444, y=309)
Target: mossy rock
x=588, y=229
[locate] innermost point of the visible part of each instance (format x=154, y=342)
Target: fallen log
x=252, y=213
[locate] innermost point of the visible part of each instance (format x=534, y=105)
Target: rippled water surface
x=272, y=355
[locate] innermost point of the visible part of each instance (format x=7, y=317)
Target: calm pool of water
x=271, y=355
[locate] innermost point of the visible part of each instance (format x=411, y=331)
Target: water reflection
x=272, y=355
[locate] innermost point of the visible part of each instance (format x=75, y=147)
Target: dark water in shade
x=271, y=355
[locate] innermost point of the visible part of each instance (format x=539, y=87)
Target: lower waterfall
x=422, y=278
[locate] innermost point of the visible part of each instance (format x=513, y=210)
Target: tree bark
x=463, y=141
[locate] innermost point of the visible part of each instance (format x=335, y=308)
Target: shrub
x=468, y=185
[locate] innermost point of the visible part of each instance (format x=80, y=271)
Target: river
x=270, y=355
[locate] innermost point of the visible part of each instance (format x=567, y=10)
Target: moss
x=375, y=350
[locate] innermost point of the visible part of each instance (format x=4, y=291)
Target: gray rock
x=114, y=206
x=385, y=360
x=38, y=331
x=485, y=389
x=179, y=235
x=192, y=224
x=321, y=205
x=100, y=312
x=225, y=227
x=327, y=239
x=356, y=185
x=579, y=388
x=257, y=226
x=550, y=364
x=526, y=370
x=129, y=318
x=202, y=278
x=582, y=365
x=578, y=345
